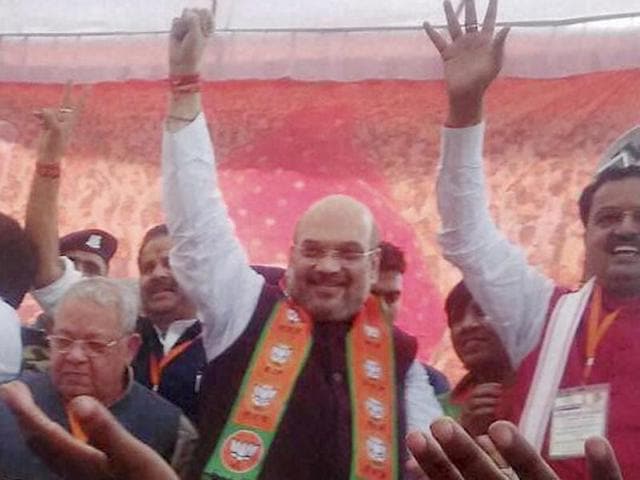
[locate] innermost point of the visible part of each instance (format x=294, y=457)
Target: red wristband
x=185, y=83
x=48, y=170
x=179, y=80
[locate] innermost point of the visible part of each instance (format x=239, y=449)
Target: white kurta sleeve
x=513, y=294
x=421, y=404
x=207, y=259
x=10, y=343
x=49, y=296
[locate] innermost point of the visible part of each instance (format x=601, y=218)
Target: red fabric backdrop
x=283, y=144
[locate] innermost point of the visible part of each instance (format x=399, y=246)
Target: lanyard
x=596, y=329
x=76, y=430
x=156, y=366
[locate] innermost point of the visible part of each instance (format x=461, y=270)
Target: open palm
x=473, y=58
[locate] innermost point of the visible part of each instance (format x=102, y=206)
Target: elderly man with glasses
x=92, y=344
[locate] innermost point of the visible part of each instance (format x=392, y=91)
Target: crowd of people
x=212, y=368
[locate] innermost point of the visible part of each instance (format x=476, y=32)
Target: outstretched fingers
x=438, y=40
x=489, y=23
x=452, y=20
x=470, y=16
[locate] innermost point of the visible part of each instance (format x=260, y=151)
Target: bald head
x=343, y=212
x=334, y=260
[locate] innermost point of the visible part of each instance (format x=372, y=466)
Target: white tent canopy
x=98, y=40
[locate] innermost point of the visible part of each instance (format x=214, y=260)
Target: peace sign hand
x=58, y=123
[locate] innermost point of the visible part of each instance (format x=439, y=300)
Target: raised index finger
x=66, y=95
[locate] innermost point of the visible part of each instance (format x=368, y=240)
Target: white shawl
x=552, y=361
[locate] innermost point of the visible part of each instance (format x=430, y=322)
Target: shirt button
x=337, y=377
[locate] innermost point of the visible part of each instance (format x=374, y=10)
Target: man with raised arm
x=578, y=363
x=316, y=385
x=171, y=358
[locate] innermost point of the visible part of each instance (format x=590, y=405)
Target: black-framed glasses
x=345, y=255
x=91, y=348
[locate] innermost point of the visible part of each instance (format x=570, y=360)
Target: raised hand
x=188, y=39
x=57, y=124
x=453, y=455
x=473, y=58
x=112, y=451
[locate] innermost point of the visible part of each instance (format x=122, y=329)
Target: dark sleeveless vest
x=144, y=414
x=181, y=377
x=313, y=441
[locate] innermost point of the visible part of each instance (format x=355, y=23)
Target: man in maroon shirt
x=576, y=355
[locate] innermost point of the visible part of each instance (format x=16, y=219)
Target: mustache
x=161, y=284
x=326, y=279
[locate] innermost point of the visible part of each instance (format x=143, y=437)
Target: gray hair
x=108, y=293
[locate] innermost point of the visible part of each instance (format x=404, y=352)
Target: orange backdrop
x=283, y=144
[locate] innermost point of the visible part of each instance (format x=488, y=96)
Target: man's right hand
x=472, y=60
x=58, y=123
x=188, y=39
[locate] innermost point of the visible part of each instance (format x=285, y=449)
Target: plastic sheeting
x=99, y=40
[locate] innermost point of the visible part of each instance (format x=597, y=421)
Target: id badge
x=578, y=413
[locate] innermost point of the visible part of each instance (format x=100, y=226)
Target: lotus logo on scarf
x=263, y=395
x=280, y=353
x=293, y=316
x=242, y=451
x=373, y=370
x=372, y=333
x=375, y=408
x=376, y=449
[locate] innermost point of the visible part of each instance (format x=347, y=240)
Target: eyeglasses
x=624, y=153
x=345, y=255
x=91, y=348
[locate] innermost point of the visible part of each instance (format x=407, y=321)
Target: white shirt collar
x=173, y=333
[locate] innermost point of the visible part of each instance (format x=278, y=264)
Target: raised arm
x=41, y=223
x=513, y=294
x=207, y=258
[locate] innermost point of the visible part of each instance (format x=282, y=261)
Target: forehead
x=85, y=318
x=335, y=225
x=624, y=193
x=155, y=248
